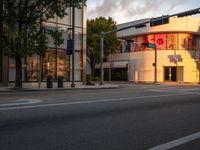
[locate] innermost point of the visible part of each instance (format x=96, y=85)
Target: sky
x=129, y=10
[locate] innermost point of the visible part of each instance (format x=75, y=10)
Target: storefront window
x=49, y=65
x=149, y=39
x=63, y=65
x=160, y=41
x=32, y=68
x=172, y=41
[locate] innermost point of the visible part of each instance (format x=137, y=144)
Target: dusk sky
x=129, y=10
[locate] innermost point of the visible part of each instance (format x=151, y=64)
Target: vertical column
x=101, y=59
x=73, y=43
x=4, y=66
x=1, y=44
x=155, y=69
x=84, y=42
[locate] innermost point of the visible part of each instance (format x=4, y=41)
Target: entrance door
x=173, y=73
x=167, y=78
x=170, y=74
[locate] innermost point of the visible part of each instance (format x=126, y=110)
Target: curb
x=55, y=89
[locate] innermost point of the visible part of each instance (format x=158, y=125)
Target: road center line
x=177, y=142
x=22, y=102
x=89, y=101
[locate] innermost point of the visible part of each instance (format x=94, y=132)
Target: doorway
x=170, y=74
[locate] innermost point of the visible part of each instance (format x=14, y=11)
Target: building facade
x=177, y=52
x=56, y=61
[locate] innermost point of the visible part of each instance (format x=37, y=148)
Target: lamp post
x=110, y=66
x=1, y=40
x=101, y=59
x=73, y=42
x=155, y=65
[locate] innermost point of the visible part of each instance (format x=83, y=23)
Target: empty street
x=131, y=117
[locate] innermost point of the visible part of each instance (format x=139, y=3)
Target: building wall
x=140, y=58
x=141, y=69
x=184, y=24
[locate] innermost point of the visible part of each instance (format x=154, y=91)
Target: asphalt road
x=132, y=117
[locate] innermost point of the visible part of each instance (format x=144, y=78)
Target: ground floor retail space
x=55, y=63
x=173, y=74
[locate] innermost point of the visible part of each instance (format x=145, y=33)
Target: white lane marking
x=22, y=102
x=177, y=142
x=176, y=91
x=87, y=102
x=190, y=89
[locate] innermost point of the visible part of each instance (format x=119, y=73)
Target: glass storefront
x=55, y=63
x=32, y=68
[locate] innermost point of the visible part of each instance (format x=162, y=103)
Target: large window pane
x=172, y=41
x=49, y=65
x=149, y=39
x=139, y=42
x=63, y=65
x=160, y=41
x=32, y=69
x=78, y=41
x=192, y=42
x=183, y=41
x=133, y=45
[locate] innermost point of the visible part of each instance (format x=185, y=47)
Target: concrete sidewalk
x=78, y=87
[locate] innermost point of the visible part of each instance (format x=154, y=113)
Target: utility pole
x=110, y=66
x=73, y=42
x=101, y=60
x=155, y=66
x=1, y=39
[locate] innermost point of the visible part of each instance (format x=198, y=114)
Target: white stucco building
x=178, y=47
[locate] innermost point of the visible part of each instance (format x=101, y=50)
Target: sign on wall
x=175, y=58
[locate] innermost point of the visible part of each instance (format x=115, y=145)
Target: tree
x=95, y=27
x=23, y=32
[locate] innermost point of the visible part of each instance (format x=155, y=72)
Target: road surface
x=132, y=117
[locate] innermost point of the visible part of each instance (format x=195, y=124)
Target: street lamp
x=1, y=39
x=101, y=59
x=73, y=42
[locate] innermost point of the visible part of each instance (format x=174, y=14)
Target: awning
x=114, y=64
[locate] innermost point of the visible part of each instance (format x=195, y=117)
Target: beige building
x=178, y=50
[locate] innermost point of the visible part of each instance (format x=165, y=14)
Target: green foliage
x=95, y=27
x=88, y=77
x=96, y=79
x=57, y=37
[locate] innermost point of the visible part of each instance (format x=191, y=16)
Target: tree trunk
x=18, y=77
x=92, y=71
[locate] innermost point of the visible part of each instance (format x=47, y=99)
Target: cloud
x=126, y=9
